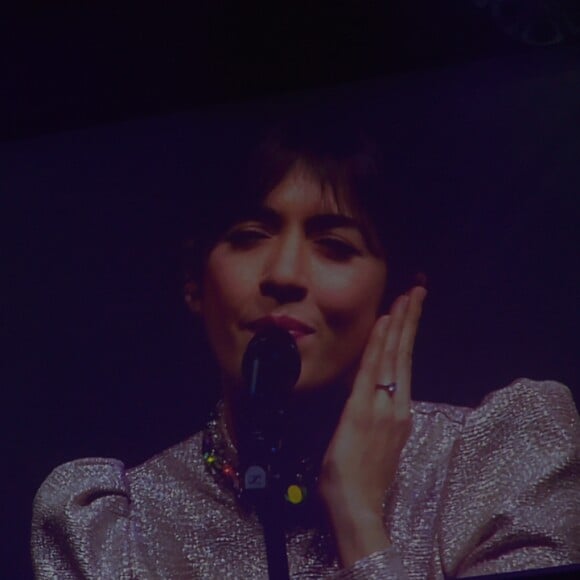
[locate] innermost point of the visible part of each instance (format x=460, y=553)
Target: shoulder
x=511, y=493
x=527, y=394
x=77, y=502
x=83, y=501
x=522, y=405
x=524, y=430
x=78, y=482
x=82, y=482
x=520, y=437
x=541, y=411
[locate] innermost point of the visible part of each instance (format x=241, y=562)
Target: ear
x=192, y=297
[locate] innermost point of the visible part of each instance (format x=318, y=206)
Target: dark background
x=111, y=116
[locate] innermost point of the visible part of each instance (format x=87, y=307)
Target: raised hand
x=362, y=457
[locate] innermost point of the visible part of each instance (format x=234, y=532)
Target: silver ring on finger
x=390, y=389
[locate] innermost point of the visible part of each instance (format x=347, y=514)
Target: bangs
x=331, y=148
x=343, y=161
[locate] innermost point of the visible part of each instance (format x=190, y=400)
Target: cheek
x=223, y=290
x=226, y=281
x=351, y=297
x=349, y=306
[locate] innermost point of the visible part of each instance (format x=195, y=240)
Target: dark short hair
x=335, y=148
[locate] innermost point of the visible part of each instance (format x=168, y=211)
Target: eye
x=338, y=249
x=245, y=238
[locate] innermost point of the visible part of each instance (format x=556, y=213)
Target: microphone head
x=271, y=366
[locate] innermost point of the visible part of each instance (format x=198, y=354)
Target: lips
x=292, y=325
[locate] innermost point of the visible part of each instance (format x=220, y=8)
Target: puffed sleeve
x=512, y=498
x=81, y=525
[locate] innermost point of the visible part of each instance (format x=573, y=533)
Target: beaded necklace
x=221, y=459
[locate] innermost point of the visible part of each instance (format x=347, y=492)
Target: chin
x=333, y=386
x=330, y=378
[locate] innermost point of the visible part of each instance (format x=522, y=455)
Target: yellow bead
x=294, y=494
x=211, y=459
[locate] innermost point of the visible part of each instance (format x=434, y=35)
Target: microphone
x=270, y=367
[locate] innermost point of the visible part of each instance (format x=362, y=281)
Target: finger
x=370, y=359
x=387, y=367
x=406, y=346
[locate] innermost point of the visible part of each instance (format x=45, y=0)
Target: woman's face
x=298, y=258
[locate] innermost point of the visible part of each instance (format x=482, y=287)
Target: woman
x=378, y=485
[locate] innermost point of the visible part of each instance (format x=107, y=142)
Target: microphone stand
x=275, y=547
x=262, y=487
x=272, y=518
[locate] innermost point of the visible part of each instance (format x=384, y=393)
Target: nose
x=285, y=270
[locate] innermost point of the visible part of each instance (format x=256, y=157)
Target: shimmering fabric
x=478, y=491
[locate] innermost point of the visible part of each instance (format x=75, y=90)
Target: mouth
x=295, y=327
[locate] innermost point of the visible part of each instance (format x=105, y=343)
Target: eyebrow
x=318, y=222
